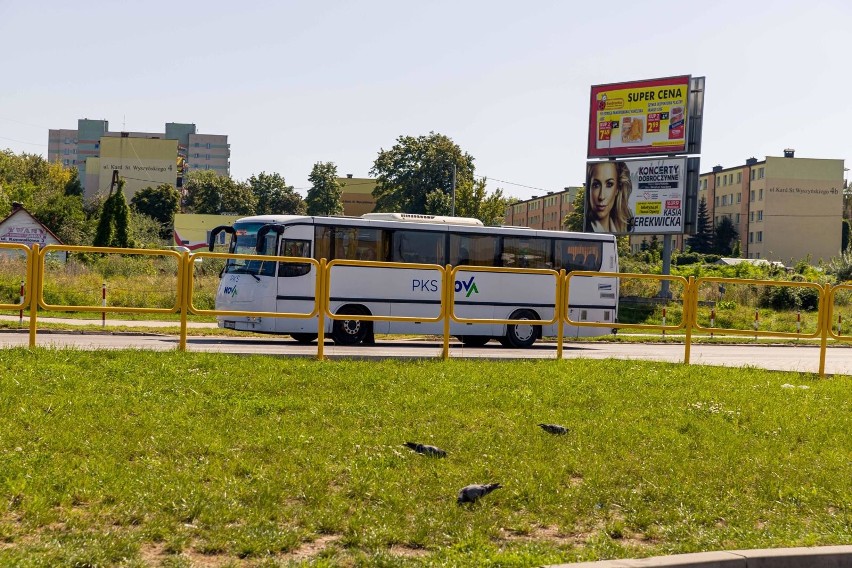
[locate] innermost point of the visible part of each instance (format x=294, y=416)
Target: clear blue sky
x=294, y=83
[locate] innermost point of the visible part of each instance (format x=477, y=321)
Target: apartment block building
x=546, y=212
x=784, y=208
x=75, y=148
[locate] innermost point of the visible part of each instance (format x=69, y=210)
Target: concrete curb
x=803, y=557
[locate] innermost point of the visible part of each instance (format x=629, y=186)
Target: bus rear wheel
x=304, y=337
x=522, y=335
x=351, y=332
x=474, y=340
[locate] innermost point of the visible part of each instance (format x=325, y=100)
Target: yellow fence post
x=184, y=287
x=321, y=291
x=35, y=284
x=825, y=323
x=690, y=311
x=560, y=305
x=448, y=288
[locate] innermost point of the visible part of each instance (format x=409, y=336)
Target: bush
x=789, y=298
x=686, y=258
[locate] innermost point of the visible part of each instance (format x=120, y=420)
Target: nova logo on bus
x=230, y=291
x=468, y=286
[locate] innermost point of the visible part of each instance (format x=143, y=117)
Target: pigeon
x=426, y=450
x=554, y=429
x=472, y=493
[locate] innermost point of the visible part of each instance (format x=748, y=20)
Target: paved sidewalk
x=110, y=322
x=803, y=557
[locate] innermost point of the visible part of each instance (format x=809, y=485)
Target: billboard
x=647, y=196
x=141, y=162
x=638, y=118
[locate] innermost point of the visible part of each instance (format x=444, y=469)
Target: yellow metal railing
x=33, y=297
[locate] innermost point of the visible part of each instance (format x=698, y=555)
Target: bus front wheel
x=521, y=335
x=350, y=332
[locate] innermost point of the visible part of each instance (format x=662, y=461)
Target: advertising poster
x=635, y=196
x=639, y=118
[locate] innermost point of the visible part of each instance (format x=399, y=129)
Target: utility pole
x=114, y=184
x=453, y=208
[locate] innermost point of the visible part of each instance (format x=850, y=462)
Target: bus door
x=296, y=281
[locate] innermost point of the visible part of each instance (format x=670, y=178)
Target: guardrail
x=32, y=298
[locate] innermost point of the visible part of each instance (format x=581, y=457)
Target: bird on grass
x=554, y=429
x=472, y=493
x=427, y=450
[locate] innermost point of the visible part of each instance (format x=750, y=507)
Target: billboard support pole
x=667, y=265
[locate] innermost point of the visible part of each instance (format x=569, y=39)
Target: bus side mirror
x=215, y=233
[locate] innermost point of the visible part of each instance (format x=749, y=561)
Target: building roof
x=18, y=208
x=752, y=261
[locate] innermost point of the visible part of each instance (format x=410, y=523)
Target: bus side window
x=592, y=262
x=294, y=248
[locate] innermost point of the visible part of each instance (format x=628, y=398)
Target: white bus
x=287, y=287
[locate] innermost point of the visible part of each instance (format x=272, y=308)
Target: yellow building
x=357, y=195
x=193, y=231
x=141, y=162
x=784, y=208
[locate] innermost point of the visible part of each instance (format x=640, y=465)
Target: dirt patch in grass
x=311, y=549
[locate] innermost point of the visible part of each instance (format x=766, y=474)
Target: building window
x=757, y=255
x=208, y=145
x=739, y=177
x=751, y=196
x=738, y=218
x=208, y=156
x=760, y=195
x=760, y=236
x=751, y=216
x=752, y=174
x=717, y=201
x=760, y=215
x=751, y=237
x=760, y=173
x=739, y=197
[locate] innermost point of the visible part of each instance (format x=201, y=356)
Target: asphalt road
x=801, y=358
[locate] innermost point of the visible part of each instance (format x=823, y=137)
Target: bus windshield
x=245, y=242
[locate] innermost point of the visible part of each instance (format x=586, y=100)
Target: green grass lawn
x=179, y=459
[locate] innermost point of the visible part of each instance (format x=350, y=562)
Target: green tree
x=725, y=236
x=145, y=231
x=65, y=217
x=737, y=251
x=844, y=236
x=211, y=194
x=574, y=220
x=472, y=200
x=160, y=203
x=274, y=196
x=324, y=196
x=416, y=167
x=702, y=240
x=114, y=223
x=74, y=187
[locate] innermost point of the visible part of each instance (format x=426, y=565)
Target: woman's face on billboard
x=603, y=185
